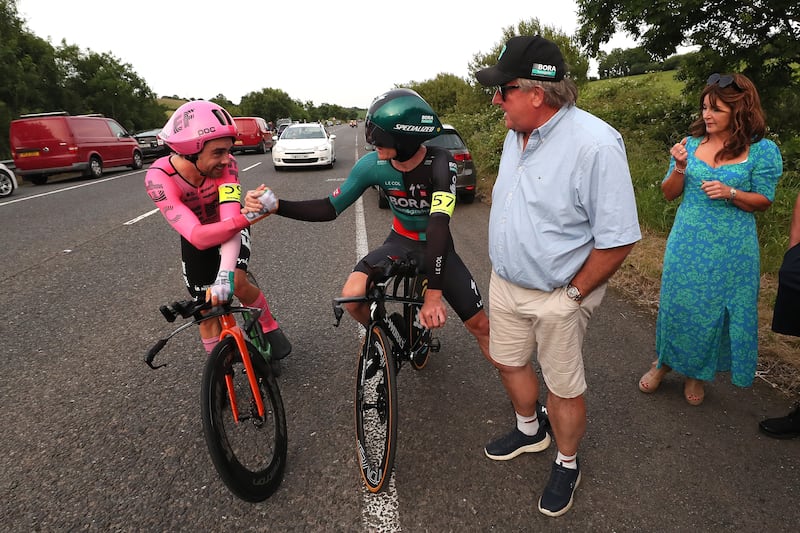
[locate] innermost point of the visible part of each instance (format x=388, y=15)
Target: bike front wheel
x=376, y=409
x=249, y=455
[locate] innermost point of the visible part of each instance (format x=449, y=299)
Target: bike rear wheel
x=250, y=456
x=376, y=409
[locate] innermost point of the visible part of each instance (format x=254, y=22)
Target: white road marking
x=379, y=512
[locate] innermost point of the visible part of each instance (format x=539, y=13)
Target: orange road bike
x=390, y=341
x=242, y=411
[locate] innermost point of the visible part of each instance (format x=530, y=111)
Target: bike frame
x=230, y=328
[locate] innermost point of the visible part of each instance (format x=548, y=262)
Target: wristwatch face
x=573, y=293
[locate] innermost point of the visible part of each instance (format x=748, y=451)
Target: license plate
x=238, y=142
x=29, y=154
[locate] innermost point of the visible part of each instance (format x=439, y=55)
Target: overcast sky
x=336, y=52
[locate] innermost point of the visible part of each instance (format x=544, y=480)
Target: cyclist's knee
x=355, y=285
x=478, y=325
x=242, y=288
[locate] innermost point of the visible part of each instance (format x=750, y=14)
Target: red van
x=254, y=134
x=43, y=144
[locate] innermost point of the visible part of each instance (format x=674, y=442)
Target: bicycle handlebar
x=195, y=309
x=391, y=267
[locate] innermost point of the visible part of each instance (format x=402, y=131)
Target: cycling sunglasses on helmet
x=722, y=81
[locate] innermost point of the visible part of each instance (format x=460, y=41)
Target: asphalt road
x=93, y=440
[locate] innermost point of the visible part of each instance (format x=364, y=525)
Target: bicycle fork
x=229, y=327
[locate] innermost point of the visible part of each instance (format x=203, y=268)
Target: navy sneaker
x=281, y=347
x=515, y=443
x=558, y=494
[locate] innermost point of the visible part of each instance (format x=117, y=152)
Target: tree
x=758, y=38
x=626, y=62
x=271, y=104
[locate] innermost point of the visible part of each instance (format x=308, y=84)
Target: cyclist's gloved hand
x=269, y=202
x=222, y=288
x=259, y=203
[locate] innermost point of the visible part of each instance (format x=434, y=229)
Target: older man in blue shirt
x=563, y=219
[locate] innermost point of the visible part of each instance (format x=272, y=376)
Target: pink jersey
x=207, y=215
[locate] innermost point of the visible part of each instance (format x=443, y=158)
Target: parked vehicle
x=254, y=134
x=306, y=144
x=44, y=144
x=282, y=123
x=150, y=144
x=467, y=178
x=8, y=182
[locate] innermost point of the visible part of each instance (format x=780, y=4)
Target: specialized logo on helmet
x=540, y=69
x=410, y=128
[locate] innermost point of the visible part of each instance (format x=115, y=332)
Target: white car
x=306, y=144
x=8, y=181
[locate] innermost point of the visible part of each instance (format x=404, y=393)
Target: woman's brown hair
x=747, y=125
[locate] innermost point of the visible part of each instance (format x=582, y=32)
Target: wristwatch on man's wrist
x=573, y=293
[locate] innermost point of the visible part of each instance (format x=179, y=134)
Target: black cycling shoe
x=281, y=347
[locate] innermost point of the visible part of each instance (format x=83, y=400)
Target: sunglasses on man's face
x=722, y=81
x=503, y=90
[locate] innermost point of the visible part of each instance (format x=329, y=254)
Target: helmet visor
x=377, y=137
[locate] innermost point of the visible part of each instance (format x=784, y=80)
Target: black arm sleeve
x=438, y=243
x=307, y=210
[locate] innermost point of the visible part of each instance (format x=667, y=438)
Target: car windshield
x=303, y=133
x=449, y=141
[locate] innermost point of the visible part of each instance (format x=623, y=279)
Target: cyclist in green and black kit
x=420, y=184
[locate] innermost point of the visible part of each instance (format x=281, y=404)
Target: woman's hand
x=716, y=190
x=679, y=153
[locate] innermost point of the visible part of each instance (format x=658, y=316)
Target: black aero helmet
x=402, y=120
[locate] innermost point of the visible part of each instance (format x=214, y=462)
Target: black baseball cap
x=531, y=57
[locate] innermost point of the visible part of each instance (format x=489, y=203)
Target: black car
x=150, y=144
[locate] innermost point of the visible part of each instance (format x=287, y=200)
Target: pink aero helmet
x=195, y=123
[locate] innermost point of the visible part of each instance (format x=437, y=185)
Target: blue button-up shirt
x=567, y=192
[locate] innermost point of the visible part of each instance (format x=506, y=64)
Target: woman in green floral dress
x=725, y=170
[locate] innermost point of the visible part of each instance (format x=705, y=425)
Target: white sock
x=567, y=461
x=529, y=425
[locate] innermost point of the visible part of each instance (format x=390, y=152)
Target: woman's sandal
x=652, y=378
x=693, y=391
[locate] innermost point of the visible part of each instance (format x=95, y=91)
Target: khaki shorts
x=523, y=320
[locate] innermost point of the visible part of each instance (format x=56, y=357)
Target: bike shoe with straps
x=281, y=347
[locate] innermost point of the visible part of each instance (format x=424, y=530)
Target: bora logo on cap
x=539, y=69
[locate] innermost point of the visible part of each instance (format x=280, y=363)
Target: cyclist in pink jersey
x=197, y=190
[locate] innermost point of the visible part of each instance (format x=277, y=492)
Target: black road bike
x=390, y=341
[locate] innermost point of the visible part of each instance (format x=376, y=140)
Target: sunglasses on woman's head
x=722, y=81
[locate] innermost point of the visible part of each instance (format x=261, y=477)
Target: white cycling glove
x=269, y=203
x=223, y=286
